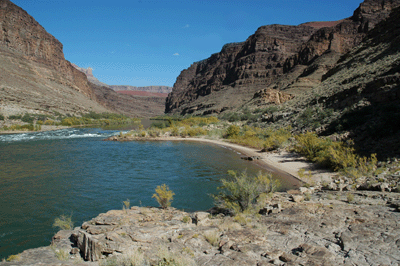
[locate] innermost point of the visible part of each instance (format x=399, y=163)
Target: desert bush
x=70, y=121
x=126, y=204
x=154, y=132
x=275, y=139
x=232, y=131
x=164, y=196
x=350, y=197
x=240, y=192
x=61, y=254
x=2, y=117
x=15, y=117
x=63, y=222
x=338, y=156
x=174, y=131
x=186, y=219
x=161, y=124
x=16, y=257
x=167, y=258
x=197, y=121
x=212, y=237
x=27, y=118
x=49, y=122
x=197, y=131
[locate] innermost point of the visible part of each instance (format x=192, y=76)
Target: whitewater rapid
x=68, y=133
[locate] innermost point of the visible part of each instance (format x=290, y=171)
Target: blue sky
x=149, y=42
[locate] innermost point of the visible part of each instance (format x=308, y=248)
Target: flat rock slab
x=322, y=229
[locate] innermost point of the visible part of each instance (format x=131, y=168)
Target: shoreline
x=282, y=163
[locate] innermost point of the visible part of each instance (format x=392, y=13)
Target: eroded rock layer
x=277, y=56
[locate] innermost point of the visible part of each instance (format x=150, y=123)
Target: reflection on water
x=46, y=174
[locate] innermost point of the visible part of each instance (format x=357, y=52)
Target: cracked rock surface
x=325, y=228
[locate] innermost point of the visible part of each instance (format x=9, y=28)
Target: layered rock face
x=276, y=56
x=22, y=34
x=237, y=72
x=130, y=105
x=34, y=76
x=89, y=74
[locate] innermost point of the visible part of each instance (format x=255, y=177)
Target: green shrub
x=63, y=222
x=27, y=118
x=164, y=196
x=2, y=117
x=338, y=156
x=14, y=257
x=71, y=121
x=49, y=122
x=15, y=117
x=154, y=132
x=240, y=192
x=186, y=219
x=232, y=131
x=275, y=139
x=161, y=124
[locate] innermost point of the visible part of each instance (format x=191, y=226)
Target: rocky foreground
x=293, y=228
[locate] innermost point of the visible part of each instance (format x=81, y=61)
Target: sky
x=149, y=42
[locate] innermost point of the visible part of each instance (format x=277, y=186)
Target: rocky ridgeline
x=289, y=58
x=156, y=89
x=22, y=34
x=36, y=78
x=294, y=228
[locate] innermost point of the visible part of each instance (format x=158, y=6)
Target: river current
x=74, y=172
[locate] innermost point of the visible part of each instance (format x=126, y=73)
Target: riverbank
x=280, y=162
x=300, y=227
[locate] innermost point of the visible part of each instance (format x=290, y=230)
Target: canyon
x=36, y=78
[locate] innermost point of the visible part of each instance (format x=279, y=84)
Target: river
x=73, y=172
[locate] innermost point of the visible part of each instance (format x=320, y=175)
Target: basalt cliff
x=276, y=64
x=36, y=78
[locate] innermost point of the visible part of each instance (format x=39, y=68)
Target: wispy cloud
x=175, y=54
x=186, y=26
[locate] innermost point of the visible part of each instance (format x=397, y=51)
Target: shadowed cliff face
x=292, y=58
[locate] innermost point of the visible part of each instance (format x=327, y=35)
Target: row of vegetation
x=336, y=155
x=34, y=122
